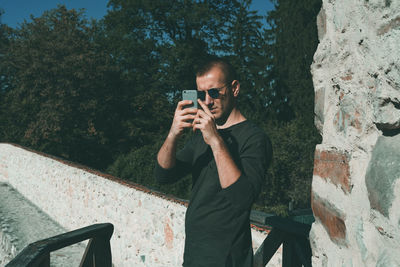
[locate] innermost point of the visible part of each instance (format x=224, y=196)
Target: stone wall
x=356, y=181
x=148, y=226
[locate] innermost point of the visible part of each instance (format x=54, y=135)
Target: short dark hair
x=213, y=61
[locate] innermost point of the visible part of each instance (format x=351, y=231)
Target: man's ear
x=235, y=88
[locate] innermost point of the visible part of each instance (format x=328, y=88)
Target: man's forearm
x=167, y=154
x=228, y=172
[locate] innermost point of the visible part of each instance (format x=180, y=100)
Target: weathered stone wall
x=148, y=226
x=356, y=182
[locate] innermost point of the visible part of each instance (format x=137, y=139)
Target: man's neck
x=234, y=117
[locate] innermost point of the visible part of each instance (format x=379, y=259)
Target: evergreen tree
x=291, y=42
x=61, y=88
x=246, y=52
x=3, y=81
x=168, y=38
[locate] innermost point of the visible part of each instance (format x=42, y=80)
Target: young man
x=227, y=156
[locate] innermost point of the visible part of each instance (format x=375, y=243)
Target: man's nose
x=208, y=100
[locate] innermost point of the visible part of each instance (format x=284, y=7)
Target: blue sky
x=15, y=11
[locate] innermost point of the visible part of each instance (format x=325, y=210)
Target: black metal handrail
x=97, y=253
x=293, y=233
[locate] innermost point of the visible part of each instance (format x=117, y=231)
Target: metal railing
x=293, y=233
x=97, y=253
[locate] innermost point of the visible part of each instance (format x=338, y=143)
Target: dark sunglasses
x=213, y=93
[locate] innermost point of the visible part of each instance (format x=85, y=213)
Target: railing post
x=44, y=261
x=293, y=233
x=289, y=257
x=102, y=252
x=97, y=253
x=303, y=251
x=88, y=256
x=268, y=247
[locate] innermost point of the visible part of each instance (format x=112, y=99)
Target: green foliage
x=292, y=41
x=138, y=165
x=61, y=88
x=3, y=81
x=163, y=41
x=103, y=93
x=247, y=53
x=135, y=166
x=289, y=178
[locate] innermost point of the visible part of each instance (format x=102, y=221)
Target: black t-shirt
x=217, y=221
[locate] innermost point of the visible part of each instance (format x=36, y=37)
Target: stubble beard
x=223, y=117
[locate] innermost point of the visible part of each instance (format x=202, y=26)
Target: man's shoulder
x=249, y=129
x=253, y=139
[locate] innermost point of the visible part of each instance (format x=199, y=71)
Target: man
x=227, y=156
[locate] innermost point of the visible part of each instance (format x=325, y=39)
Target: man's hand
x=182, y=118
x=166, y=155
x=228, y=171
x=204, y=121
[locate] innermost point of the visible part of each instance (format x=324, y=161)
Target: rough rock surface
x=356, y=182
x=383, y=176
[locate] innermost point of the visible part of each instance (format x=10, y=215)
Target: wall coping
x=255, y=226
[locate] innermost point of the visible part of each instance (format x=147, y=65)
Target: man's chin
x=215, y=114
x=219, y=120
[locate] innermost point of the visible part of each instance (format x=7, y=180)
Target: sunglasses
x=213, y=93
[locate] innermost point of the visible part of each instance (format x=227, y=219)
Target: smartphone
x=192, y=95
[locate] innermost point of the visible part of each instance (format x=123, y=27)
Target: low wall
x=148, y=226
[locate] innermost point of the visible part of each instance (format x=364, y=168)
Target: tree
x=290, y=44
x=3, y=79
x=103, y=93
x=246, y=52
x=157, y=44
x=138, y=166
x=3, y=37
x=164, y=41
x=292, y=41
x=62, y=88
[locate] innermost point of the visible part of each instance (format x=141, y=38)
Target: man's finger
x=186, y=124
x=189, y=111
x=197, y=126
x=188, y=117
x=183, y=103
x=205, y=108
x=203, y=114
